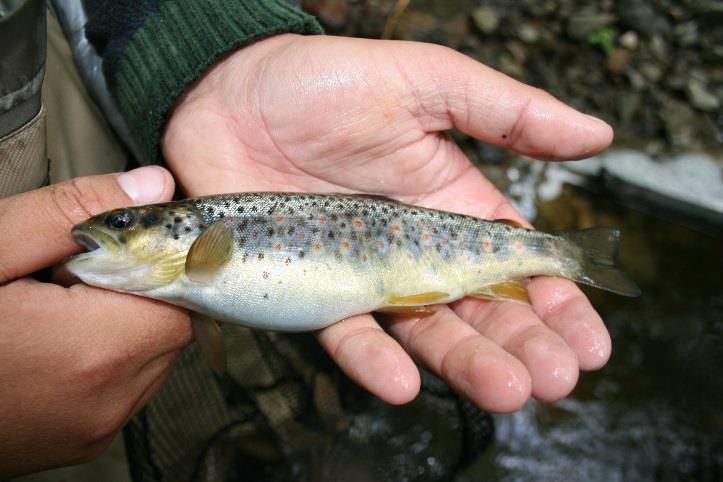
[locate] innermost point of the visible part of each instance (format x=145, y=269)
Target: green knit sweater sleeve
x=152, y=50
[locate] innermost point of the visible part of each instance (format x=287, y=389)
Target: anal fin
x=420, y=311
x=514, y=290
x=419, y=299
x=210, y=341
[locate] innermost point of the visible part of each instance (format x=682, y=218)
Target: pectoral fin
x=210, y=252
x=166, y=269
x=515, y=290
x=210, y=342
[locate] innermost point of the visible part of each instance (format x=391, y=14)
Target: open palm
x=294, y=113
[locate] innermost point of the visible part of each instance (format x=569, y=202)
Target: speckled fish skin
x=305, y=261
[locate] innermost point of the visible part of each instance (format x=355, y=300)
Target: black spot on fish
x=177, y=219
x=240, y=209
x=261, y=256
x=301, y=254
x=288, y=261
x=291, y=230
x=175, y=236
x=187, y=229
x=151, y=218
x=330, y=235
x=169, y=226
x=209, y=209
x=242, y=240
x=266, y=296
x=122, y=239
x=270, y=232
x=254, y=208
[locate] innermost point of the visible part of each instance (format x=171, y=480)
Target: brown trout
x=294, y=262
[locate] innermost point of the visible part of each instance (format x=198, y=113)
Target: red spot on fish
x=519, y=247
x=279, y=218
x=425, y=237
x=465, y=237
x=277, y=247
x=322, y=219
x=344, y=245
x=486, y=244
x=254, y=235
x=446, y=241
x=365, y=258
x=358, y=224
x=396, y=228
x=381, y=244
x=548, y=245
x=317, y=247
x=301, y=235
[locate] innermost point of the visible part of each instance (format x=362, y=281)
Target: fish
x=302, y=261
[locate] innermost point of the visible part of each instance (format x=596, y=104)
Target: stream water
x=655, y=411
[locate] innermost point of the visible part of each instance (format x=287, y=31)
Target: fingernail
x=143, y=185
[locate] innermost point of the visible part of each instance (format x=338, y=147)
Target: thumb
x=36, y=225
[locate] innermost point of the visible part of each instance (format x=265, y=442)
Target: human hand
x=294, y=113
x=77, y=362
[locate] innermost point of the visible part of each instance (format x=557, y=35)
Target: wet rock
x=486, y=19
x=636, y=79
x=528, y=33
x=659, y=48
x=629, y=40
x=628, y=106
x=332, y=13
x=686, y=34
x=617, y=61
x=679, y=121
x=586, y=21
x=651, y=72
x=642, y=16
x=700, y=97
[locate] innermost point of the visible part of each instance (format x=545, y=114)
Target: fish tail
x=599, y=248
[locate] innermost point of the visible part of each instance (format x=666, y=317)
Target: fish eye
x=119, y=220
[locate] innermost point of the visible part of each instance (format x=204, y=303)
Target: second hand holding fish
x=320, y=114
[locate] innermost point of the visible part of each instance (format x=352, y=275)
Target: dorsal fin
x=209, y=253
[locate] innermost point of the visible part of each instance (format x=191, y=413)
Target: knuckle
x=76, y=200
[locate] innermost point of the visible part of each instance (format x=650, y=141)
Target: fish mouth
x=94, y=239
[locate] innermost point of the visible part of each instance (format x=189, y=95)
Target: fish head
x=135, y=249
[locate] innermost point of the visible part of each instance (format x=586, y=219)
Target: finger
x=372, y=358
x=448, y=89
x=472, y=364
x=552, y=364
x=102, y=326
x=36, y=224
x=566, y=310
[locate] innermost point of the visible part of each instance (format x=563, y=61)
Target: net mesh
x=283, y=411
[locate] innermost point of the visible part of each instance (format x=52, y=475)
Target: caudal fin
x=599, y=248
